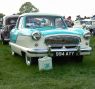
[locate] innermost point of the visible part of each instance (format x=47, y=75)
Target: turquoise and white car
x=39, y=35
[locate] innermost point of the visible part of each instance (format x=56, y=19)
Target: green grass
x=14, y=74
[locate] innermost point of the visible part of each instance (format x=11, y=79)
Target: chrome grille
x=62, y=40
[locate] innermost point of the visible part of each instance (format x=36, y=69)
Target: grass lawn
x=14, y=74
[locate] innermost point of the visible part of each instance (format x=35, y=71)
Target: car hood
x=68, y=31
x=56, y=31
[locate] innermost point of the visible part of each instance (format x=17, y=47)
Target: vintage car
x=37, y=35
x=0, y=28
x=8, y=23
x=88, y=24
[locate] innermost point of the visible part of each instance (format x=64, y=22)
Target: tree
x=27, y=7
x=1, y=15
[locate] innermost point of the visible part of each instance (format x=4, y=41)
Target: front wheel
x=2, y=40
x=28, y=60
x=12, y=52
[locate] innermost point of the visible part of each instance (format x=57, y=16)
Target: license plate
x=65, y=53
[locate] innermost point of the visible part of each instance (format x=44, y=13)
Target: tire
x=27, y=60
x=3, y=42
x=13, y=53
x=93, y=33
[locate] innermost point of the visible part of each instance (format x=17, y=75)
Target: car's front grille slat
x=60, y=41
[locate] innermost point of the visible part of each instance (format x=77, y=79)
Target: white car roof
x=37, y=14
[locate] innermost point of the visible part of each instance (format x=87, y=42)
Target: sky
x=61, y=7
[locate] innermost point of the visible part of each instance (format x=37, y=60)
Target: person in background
x=69, y=21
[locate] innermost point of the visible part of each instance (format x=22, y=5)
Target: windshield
x=44, y=21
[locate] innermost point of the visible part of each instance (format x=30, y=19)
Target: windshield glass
x=10, y=21
x=44, y=21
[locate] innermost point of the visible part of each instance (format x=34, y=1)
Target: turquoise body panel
x=46, y=32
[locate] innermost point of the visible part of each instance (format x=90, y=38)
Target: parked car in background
x=0, y=28
x=0, y=25
x=89, y=24
x=9, y=23
x=69, y=21
x=39, y=35
x=77, y=24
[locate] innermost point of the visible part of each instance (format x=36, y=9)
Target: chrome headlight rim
x=87, y=36
x=36, y=35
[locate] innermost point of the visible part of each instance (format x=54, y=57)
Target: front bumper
x=6, y=39
x=40, y=52
x=85, y=51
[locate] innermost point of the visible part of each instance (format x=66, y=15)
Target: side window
x=20, y=22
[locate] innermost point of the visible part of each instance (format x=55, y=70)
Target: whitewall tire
x=12, y=52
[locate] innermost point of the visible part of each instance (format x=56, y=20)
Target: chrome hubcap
x=28, y=60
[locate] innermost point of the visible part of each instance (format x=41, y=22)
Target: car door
x=13, y=35
x=16, y=31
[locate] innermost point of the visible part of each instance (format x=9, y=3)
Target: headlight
x=36, y=35
x=87, y=36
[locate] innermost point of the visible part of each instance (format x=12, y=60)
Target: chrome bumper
x=7, y=40
x=44, y=51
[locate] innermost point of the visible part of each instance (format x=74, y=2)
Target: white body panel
x=28, y=47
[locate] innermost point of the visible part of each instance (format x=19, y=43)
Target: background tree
x=27, y=7
x=1, y=15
